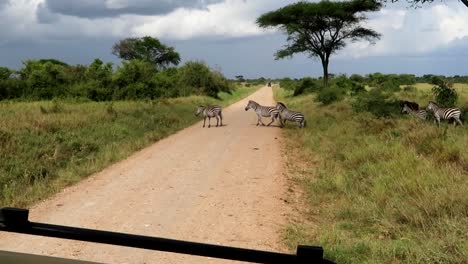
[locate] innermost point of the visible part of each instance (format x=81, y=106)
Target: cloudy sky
x=223, y=33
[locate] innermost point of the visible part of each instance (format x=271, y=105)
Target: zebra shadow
x=214, y=126
x=260, y=125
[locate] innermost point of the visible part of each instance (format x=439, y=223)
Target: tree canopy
x=147, y=49
x=416, y=3
x=321, y=29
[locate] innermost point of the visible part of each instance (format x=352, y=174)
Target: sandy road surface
x=218, y=185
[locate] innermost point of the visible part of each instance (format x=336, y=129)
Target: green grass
x=47, y=145
x=378, y=190
x=427, y=87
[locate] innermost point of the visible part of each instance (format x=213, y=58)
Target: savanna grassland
x=378, y=186
x=47, y=145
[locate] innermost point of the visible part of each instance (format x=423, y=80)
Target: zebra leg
x=204, y=120
x=458, y=121
x=272, y=120
x=260, y=120
x=209, y=122
x=217, y=121
x=221, y=118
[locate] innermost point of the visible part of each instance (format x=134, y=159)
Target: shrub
x=288, y=84
x=376, y=102
x=329, y=95
x=444, y=93
x=165, y=83
x=390, y=86
x=357, y=78
x=410, y=88
x=199, y=77
x=357, y=88
x=306, y=85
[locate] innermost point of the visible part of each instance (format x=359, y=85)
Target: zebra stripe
x=444, y=113
x=265, y=111
x=288, y=115
x=210, y=112
x=422, y=114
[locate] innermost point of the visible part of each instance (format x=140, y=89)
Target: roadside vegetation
x=374, y=185
x=60, y=122
x=47, y=145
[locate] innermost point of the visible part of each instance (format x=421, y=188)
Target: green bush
x=410, y=88
x=390, y=86
x=357, y=78
x=349, y=86
x=12, y=88
x=306, y=85
x=357, y=88
x=200, y=79
x=329, y=95
x=165, y=83
x=288, y=84
x=376, y=102
x=444, y=93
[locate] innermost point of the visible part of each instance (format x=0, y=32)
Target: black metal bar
x=16, y=220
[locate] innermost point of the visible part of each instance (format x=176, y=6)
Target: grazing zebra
x=411, y=105
x=444, y=113
x=422, y=114
x=210, y=112
x=286, y=114
x=265, y=111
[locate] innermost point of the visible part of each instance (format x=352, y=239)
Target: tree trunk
x=325, y=71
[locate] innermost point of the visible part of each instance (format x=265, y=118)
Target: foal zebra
x=265, y=111
x=444, y=113
x=210, y=112
x=422, y=114
x=288, y=115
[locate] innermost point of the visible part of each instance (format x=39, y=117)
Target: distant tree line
x=148, y=70
x=386, y=81
x=381, y=97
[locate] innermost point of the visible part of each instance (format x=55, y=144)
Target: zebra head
x=251, y=104
x=280, y=106
x=200, y=110
x=406, y=109
x=432, y=106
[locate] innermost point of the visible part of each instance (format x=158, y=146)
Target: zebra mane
x=434, y=103
x=280, y=103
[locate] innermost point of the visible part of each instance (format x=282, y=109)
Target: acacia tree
x=321, y=29
x=418, y=2
x=147, y=49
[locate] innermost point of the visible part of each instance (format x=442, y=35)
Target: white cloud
x=413, y=31
x=405, y=31
x=230, y=18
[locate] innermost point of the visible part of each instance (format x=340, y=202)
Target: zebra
x=444, y=113
x=265, y=111
x=288, y=115
x=210, y=112
x=422, y=114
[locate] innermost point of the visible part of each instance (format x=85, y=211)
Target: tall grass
x=378, y=190
x=45, y=146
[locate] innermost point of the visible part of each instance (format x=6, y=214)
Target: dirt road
x=218, y=185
